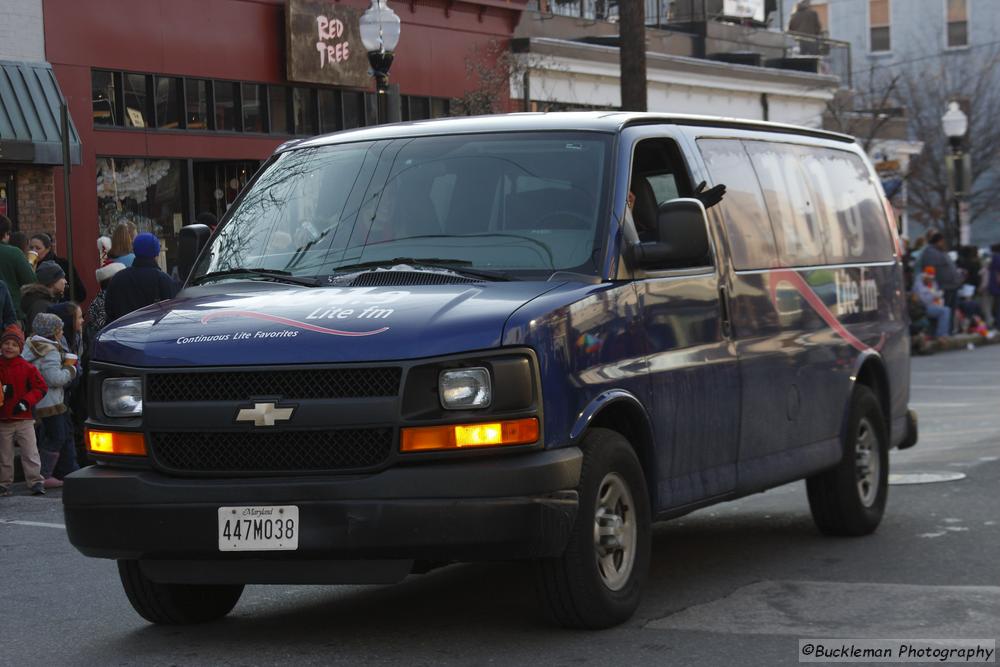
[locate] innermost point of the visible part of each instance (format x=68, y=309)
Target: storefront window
x=420, y=108
x=253, y=107
x=278, y=97
x=225, y=105
x=148, y=193
x=196, y=91
x=354, y=112
x=304, y=103
x=329, y=110
x=136, y=100
x=168, y=102
x=102, y=87
x=439, y=107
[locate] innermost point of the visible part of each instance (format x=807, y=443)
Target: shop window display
x=253, y=107
x=148, y=193
x=105, y=100
x=225, y=105
x=354, y=110
x=304, y=104
x=136, y=100
x=329, y=110
x=196, y=91
x=168, y=102
x=278, y=96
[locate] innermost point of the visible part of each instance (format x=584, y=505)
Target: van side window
x=797, y=228
x=849, y=203
x=748, y=228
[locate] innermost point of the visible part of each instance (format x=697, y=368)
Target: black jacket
x=140, y=285
x=35, y=298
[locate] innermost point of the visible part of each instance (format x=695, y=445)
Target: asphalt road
x=736, y=584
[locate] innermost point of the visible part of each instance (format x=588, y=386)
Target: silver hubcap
x=866, y=462
x=614, y=531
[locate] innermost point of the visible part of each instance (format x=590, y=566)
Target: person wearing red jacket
x=23, y=386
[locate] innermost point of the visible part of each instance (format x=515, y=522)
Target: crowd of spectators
x=46, y=341
x=950, y=292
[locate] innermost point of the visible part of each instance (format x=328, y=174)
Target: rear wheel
x=850, y=499
x=597, y=582
x=175, y=604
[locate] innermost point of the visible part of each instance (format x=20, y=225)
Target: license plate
x=262, y=528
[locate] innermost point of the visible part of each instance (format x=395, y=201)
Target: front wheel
x=597, y=582
x=176, y=604
x=850, y=499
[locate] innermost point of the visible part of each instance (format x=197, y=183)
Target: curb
x=963, y=341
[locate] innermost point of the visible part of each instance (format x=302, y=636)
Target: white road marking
x=924, y=406
x=40, y=524
x=962, y=373
x=932, y=534
x=947, y=386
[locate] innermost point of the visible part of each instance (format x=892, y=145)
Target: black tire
x=577, y=590
x=849, y=500
x=176, y=604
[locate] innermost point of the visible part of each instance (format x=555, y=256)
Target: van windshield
x=516, y=205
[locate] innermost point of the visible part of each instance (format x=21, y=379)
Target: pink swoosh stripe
x=803, y=288
x=287, y=322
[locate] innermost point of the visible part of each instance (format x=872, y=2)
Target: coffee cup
x=70, y=359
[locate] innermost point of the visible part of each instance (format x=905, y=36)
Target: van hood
x=255, y=323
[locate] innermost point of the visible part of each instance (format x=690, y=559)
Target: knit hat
x=108, y=271
x=46, y=325
x=146, y=245
x=13, y=332
x=49, y=273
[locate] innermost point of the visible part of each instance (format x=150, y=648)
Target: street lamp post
x=380, y=35
x=956, y=124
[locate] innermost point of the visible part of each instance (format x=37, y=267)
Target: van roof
x=599, y=121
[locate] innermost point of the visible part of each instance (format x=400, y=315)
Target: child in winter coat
x=55, y=432
x=23, y=387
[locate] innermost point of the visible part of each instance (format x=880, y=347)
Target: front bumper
x=490, y=509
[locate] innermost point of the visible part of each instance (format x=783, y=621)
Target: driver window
x=658, y=175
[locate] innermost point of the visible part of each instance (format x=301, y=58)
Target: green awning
x=29, y=115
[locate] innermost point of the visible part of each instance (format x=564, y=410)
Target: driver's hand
x=710, y=197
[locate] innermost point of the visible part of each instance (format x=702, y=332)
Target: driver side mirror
x=192, y=240
x=682, y=226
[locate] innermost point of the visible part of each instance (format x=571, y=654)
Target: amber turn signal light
x=469, y=436
x=116, y=442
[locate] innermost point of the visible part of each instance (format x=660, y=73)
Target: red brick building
x=177, y=102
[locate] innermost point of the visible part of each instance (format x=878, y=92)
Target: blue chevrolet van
x=511, y=337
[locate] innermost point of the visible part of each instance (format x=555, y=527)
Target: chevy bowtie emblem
x=264, y=414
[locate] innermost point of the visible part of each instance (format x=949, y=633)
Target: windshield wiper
x=455, y=265
x=276, y=275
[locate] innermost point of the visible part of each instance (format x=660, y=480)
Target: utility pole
x=632, y=53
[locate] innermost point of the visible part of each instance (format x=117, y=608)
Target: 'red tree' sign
x=324, y=44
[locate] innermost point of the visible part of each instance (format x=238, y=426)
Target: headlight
x=122, y=397
x=465, y=388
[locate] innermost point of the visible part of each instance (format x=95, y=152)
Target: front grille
x=272, y=452
x=288, y=384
